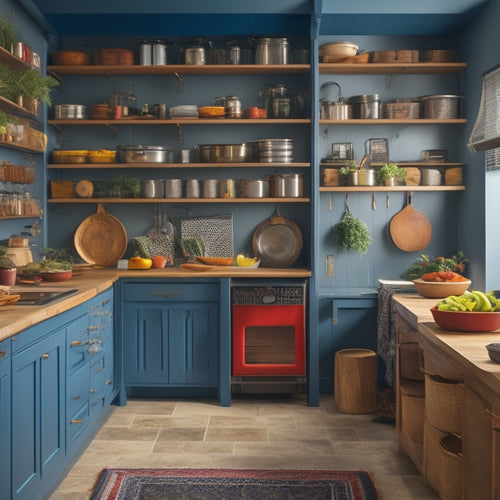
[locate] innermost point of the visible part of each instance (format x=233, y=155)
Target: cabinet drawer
x=78, y=389
x=5, y=350
x=78, y=422
x=171, y=292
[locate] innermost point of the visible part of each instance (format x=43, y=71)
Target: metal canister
x=145, y=54
x=227, y=188
x=232, y=107
x=192, y=188
x=173, y=188
x=210, y=188
x=159, y=54
x=366, y=106
x=18, y=49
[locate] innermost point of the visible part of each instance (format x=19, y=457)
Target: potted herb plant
x=7, y=268
x=56, y=265
x=5, y=120
x=359, y=175
x=8, y=34
x=390, y=174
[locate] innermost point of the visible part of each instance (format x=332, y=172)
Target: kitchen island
x=448, y=414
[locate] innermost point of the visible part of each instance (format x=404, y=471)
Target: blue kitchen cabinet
x=5, y=443
x=38, y=414
x=170, y=334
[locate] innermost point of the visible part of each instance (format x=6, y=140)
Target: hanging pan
x=410, y=229
x=101, y=239
x=277, y=241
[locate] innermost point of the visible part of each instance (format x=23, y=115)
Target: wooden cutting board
x=411, y=230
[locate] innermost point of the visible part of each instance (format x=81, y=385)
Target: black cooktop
x=40, y=297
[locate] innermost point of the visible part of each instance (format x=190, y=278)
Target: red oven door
x=269, y=340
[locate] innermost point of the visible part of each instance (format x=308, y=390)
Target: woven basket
x=62, y=189
x=453, y=176
x=411, y=361
x=413, y=410
x=432, y=455
x=396, y=56
x=444, y=400
x=451, y=484
x=439, y=56
x=402, y=110
x=413, y=176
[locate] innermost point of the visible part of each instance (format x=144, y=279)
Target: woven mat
x=244, y=484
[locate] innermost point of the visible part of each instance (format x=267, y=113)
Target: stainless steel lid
x=146, y=148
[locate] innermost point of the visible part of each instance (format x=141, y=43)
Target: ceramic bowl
x=440, y=289
x=467, y=321
x=494, y=351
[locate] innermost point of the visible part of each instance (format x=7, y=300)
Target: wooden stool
x=355, y=382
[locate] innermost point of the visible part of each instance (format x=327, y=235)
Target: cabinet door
x=5, y=416
x=145, y=344
x=38, y=396
x=193, y=344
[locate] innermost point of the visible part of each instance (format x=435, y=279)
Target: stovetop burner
x=41, y=297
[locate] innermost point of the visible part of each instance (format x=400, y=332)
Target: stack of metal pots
x=273, y=150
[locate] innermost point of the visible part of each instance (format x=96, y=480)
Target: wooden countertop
x=468, y=349
x=90, y=282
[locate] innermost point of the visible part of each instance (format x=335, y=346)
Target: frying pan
x=410, y=229
x=101, y=239
x=277, y=241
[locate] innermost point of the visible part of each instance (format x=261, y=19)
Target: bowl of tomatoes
x=441, y=284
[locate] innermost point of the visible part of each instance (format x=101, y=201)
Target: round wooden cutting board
x=411, y=230
x=101, y=239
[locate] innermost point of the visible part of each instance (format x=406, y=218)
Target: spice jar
x=232, y=107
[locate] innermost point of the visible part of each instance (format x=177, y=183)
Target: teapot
x=282, y=102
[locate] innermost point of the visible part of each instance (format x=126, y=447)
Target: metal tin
x=192, y=188
x=145, y=54
x=210, y=188
x=173, y=188
x=254, y=188
x=232, y=107
x=153, y=188
x=286, y=185
x=227, y=189
x=366, y=106
x=272, y=51
x=18, y=49
x=195, y=56
x=185, y=156
x=145, y=154
x=69, y=111
x=159, y=54
x=431, y=177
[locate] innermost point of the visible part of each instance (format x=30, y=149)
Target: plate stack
x=273, y=150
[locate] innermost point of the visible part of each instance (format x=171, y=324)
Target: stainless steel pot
x=65, y=111
x=272, y=51
x=153, y=188
x=366, y=106
x=253, y=188
x=366, y=177
x=286, y=185
x=145, y=154
x=334, y=110
x=221, y=153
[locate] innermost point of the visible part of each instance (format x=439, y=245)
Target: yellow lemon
x=243, y=261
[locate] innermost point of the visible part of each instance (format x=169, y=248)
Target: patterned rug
x=232, y=484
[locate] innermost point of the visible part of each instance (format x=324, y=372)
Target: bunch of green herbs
x=351, y=234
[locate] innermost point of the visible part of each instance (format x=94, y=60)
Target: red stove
x=269, y=329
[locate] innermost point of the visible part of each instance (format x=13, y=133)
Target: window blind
x=485, y=135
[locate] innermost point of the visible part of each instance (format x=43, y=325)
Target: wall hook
x=374, y=202
x=180, y=129
x=180, y=82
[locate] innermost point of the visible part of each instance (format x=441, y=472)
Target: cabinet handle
x=75, y=398
x=93, y=391
x=3, y=354
x=169, y=295
x=104, y=302
x=75, y=343
x=75, y=421
x=45, y=356
x=108, y=382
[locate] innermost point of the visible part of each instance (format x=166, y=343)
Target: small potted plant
x=7, y=268
x=391, y=175
x=56, y=265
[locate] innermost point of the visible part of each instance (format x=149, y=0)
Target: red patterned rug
x=218, y=484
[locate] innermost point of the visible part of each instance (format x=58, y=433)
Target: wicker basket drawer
x=411, y=361
x=451, y=486
x=413, y=410
x=444, y=404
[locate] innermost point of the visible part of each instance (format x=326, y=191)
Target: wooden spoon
x=410, y=229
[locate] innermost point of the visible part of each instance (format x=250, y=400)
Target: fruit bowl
x=440, y=289
x=467, y=321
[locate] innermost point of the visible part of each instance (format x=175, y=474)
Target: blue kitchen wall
x=29, y=32
x=479, y=233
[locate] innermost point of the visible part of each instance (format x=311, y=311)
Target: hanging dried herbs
x=351, y=234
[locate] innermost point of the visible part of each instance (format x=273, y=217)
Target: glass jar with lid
x=232, y=108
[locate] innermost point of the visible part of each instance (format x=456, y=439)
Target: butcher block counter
x=90, y=282
x=448, y=413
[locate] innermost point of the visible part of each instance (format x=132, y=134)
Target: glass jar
x=232, y=107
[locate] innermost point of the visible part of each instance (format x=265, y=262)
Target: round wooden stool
x=355, y=382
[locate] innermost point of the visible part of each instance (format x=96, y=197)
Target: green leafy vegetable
x=351, y=234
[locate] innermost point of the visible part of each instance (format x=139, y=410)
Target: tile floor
x=269, y=432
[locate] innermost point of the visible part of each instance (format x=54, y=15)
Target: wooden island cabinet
x=448, y=422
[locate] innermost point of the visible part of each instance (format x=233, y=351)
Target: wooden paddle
x=410, y=229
